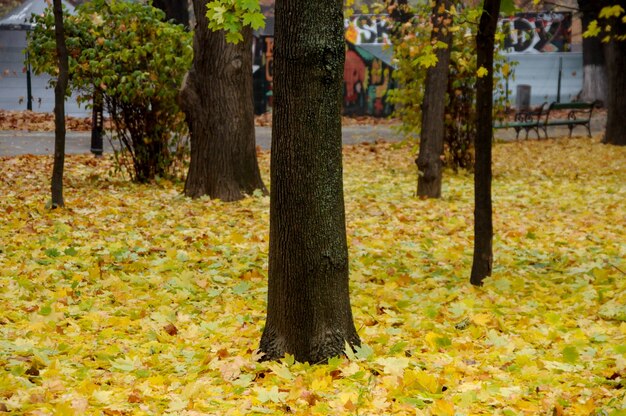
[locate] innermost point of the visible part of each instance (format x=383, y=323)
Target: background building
x=545, y=43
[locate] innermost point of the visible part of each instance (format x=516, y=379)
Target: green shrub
x=136, y=61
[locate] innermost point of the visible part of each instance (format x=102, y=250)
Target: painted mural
x=366, y=81
x=263, y=67
x=367, y=72
x=368, y=29
x=537, y=32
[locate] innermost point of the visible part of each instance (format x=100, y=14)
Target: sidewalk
x=15, y=142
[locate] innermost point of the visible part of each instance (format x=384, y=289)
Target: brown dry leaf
x=34, y=121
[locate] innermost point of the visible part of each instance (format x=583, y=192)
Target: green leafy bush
x=126, y=53
x=414, y=54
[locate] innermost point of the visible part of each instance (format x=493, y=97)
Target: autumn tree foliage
x=417, y=57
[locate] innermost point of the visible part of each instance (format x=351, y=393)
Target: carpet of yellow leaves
x=136, y=300
x=37, y=121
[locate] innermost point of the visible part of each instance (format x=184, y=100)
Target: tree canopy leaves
x=232, y=15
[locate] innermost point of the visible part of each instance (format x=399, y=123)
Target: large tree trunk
x=615, y=54
x=59, y=107
x=594, y=69
x=308, y=311
x=176, y=10
x=217, y=100
x=483, y=221
x=430, y=159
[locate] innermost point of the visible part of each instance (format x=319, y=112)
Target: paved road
x=14, y=143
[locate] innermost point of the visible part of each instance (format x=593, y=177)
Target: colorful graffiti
x=367, y=28
x=263, y=61
x=367, y=78
x=537, y=32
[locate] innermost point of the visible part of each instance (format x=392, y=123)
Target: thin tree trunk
x=483, y=221
x=59, y=107
x=615, y=54
x=308, y=311
x=217, y=99
x=430, y=159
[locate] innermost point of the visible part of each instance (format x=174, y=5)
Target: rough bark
x=308, y=312
x=59, y=107
x=175, y=10
x=216, y=97
x=430, y=159
x=594, y=69
x=483, y=221
x=615, y=62
x=615, y=55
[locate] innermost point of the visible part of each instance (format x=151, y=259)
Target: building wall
x=541, y=72
x=367, y=79
x=13, y=89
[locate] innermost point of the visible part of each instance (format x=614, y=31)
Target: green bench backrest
x=571, y=106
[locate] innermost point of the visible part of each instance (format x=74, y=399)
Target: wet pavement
x=16, y=142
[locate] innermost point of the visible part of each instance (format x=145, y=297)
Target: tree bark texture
x=176, y=10
x=594, y=69
x=308, y=312
x=615, y=55
x=216, y=97
x=430, y=159
x=483, y=221
x=59, y=107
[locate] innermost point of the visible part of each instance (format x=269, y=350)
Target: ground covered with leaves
x=37, y=121
x=137, y=300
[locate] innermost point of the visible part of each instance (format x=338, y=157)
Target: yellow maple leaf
x=428, y=382
x=321, y=383
x=481, y=319
x=481, y=72
x=442, y=407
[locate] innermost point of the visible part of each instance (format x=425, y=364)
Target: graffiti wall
x=263, y=67
x=367, y=78
x=537, y=32
x=366, y=82
x=368, y=29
